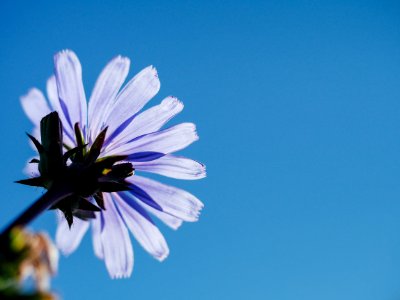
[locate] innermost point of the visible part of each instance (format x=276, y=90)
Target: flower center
x=87, y=175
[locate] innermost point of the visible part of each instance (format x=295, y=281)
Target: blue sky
x=297, y=105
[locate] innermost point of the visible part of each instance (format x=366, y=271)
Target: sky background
x=297, y=105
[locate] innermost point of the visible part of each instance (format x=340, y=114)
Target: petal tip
x=63, y=53
x=172, y=103
x=29, y=94
x=65, y=57
x=162, y=256
x=119, y=274
x=122, y=59
x=177, y=225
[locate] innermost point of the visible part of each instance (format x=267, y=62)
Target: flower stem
x=56, y=192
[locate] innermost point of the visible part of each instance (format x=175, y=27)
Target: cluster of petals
x=140, y=135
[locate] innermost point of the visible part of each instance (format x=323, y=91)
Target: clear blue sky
x=298, y=109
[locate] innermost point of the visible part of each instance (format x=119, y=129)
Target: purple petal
x=145, y=232
x=166, y=141
x=96, y=231
x=142, y=208
x=172, y=200
x=173, y=166
x=144, y=197
x=117, y=247
x=137, y=92
x=71, y=94
x=107, y=86
x=171, y=221
x=52, y=94
x=35, y=106
x=67, y=240
x=144, y=156
x=149, y=121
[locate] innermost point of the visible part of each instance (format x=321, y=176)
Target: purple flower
x=139, y=136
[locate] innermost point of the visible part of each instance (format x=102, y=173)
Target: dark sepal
x=67, y=206
x=122, y=170
x=107, y=162
x=66, y=146
x=84, y=204
x=38, y=145
x=80, y=141
x=68, y=216
x=70, y=201
x=51, y=162
x=95, y=150
x=110, y=186
x=76, y=206
x=74, y=153
x=98, y=197
x=51, y=135
x=36, y=181
x=84, y=215
x=114, y=180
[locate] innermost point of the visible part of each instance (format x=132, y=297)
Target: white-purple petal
x=169, y=220
x=103, y=96
x=96, y=231
x=172, y=200
x=174, y=167
x=146, y=122
x=67, y=240
x=116, y=244
x=136, y=93
x=35, y=105
x=165, y=141
x=52, y=94
x=71, y=95
x=141, y=226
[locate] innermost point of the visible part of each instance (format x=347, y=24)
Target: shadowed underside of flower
x=86, y=177
x=135, y=136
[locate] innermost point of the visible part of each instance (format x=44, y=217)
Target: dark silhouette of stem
x=57, y=192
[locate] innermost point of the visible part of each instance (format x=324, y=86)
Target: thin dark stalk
x=56, y=193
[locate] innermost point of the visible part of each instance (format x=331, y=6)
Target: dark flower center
x=80, y=168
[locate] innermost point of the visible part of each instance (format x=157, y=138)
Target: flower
x=41, y=259
x=27, y=257
x=135, y=135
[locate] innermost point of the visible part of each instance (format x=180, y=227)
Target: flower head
x=111, y=126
